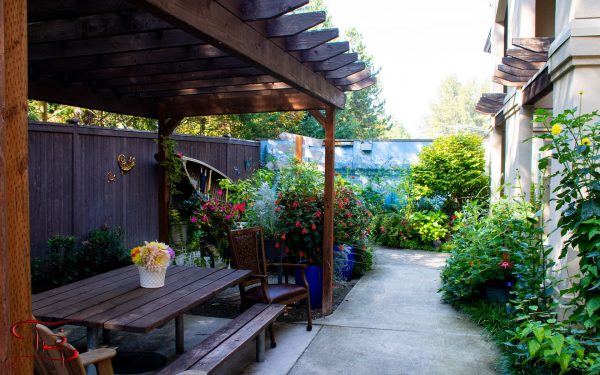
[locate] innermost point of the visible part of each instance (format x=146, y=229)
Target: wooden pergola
x=163, y=59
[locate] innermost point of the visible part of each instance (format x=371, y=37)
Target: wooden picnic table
x=115, y=300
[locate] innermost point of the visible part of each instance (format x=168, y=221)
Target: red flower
x=301, y=254
x=298, y=224
x=313, y=227
x=295, y=204
x=240, y=207
x=318, y=214
x=453, y=217
x=283, y=236
x=277, y=245
x=180, y=154
x=304, y=231
x=287, y=250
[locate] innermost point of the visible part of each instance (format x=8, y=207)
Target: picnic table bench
x=211, y=353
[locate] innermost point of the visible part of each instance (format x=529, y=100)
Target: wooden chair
x=50, y=350
x=248, y=253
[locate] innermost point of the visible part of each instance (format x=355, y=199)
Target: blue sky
x=417, y=44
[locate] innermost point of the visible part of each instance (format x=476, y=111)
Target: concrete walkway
x=393, y=322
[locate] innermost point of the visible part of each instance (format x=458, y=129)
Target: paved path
x=393, y=322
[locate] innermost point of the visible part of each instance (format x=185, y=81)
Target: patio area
x=409, y=332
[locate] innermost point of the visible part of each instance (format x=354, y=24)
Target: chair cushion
x=277, y=292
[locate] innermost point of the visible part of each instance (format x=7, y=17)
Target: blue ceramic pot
x=314, y=276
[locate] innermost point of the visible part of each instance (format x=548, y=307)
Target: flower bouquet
x=152, y=260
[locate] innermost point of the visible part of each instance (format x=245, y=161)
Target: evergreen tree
x=453, y=111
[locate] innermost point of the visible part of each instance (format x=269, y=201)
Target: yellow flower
x=580, y=92
x=586, y=142
x=556, y=129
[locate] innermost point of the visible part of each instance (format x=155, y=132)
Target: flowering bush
x=574, y=141
x=217, y=218
x=487, y=248
x=301, y=218
x=153, y=256
x=300, y=209
x=351, y=220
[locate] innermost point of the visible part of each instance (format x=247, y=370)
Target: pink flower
x=220, y=192
x=298, y=224
x=506, y=265
x=227, y=217
x=313, y=227
x=304, y=231
x=194, y=219
x=283, y=236
x=277, y=245
x=180, y=154
x=204, y=218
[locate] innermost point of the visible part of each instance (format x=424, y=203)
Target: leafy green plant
x=485, y=247
x=103, y=251
x=431, y=225
x=171, y=163
x=63, y=258
x=574, y=141
x=263, y=211
x=452, y=167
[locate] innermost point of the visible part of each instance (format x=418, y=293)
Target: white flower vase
x=152, y=278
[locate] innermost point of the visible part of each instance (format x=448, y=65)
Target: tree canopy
x=453, y=110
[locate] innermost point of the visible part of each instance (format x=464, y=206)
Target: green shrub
x=485, y=248
x=452, y=167
x=431, y=225
x=68, y=260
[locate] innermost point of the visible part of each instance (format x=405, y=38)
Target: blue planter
x=314, y=276
x=344, y=261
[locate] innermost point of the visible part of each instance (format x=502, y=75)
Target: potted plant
x=152, y=260
x=351, y=225
x=178, y=228
x=217, y=218
x=263, y=212
x=300, y=206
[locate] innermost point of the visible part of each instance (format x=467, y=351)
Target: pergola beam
x=310, y=39
x=353, y=78
x=346, y=71
x=325, y=51
x=157, y=69
x=112, y=44
x=216, y=89
x=240, y=102
x=44, y=10
x=293, y=24
x=209, y=21
x=196, y=84
x=336, y=62
x=253, y=10
x=367, y=82
x=94, y=26
x=115, y=60
x=178, y=77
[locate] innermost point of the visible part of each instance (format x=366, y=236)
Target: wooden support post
x=165, y=129
x=328, y=122
x=298, y=147
x=15, y=275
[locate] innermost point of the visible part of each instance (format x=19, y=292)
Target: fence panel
x=70, y=189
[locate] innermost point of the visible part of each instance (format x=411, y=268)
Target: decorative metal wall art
x=111, y=177
x=125, y=164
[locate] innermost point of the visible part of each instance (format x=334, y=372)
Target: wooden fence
x=70, y=193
